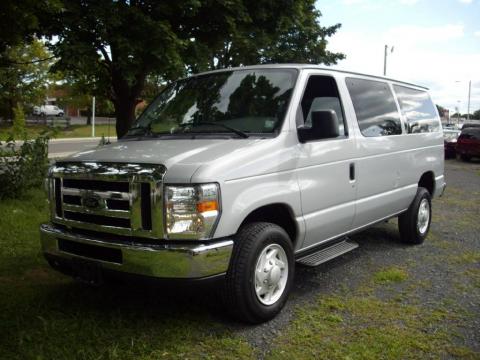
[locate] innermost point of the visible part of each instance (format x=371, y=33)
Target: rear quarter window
x=418, y=109
x=470, y=133
x=375, y=107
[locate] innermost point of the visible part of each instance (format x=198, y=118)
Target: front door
x=326, y=172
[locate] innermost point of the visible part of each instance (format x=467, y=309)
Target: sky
x=435, y=43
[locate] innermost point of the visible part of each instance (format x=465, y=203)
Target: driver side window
x=320, y=94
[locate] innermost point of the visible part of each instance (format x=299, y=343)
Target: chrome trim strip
x=123, y=214
x=107, y=195
x=95, y=227
x=135, y=206
x=188, y=261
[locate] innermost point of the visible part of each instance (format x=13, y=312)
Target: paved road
x=59, y=148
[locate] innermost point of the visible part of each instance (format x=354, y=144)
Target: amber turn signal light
x=205, y=206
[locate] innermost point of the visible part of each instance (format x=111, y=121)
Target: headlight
x=191, y=212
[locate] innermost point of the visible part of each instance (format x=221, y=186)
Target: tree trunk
x=125, y=98
x=125, y=114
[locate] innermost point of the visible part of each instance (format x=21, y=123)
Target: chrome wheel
x=423, y=216
x=271, y=274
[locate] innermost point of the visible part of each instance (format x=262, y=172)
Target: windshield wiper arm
x=235, y=131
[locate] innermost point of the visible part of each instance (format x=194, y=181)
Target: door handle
x=352, y=172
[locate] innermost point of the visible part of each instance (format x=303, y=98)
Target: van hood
x=182, y=157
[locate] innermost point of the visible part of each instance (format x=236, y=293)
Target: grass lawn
x=74, y=131
x=45, y=315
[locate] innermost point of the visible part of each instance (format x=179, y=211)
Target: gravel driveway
x=443, y=273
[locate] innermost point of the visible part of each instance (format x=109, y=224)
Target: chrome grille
x=124, y=199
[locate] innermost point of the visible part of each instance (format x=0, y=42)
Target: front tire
x=261, y=273
x=414, y=224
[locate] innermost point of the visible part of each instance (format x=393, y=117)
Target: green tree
x=476, y=115
x=25, y=81
x=21, y=20
x=78, y=90
x=123, y=43
x=19, y=130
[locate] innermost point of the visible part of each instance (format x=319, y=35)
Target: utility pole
x=93, y=117
x=385, y=59
x=469, y=94
x=457, y=109
x=468, y=106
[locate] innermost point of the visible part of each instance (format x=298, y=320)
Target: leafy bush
x=23, y=167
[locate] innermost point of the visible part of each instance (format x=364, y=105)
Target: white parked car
x=48, y=110
x=238, y=175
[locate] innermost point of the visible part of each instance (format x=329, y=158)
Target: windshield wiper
x=235, y=131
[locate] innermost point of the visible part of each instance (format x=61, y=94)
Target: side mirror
x=412, y=126
x=324, y=126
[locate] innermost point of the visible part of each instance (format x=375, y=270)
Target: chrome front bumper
x=185, y=261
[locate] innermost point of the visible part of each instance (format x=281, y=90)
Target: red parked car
x=468, y=143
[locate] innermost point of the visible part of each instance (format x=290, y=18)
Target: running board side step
x=328, y=253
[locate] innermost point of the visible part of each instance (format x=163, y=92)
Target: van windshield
x=239, y=103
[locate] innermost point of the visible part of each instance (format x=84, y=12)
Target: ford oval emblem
x=91, y=201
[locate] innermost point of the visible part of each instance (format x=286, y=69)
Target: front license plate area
x=87, y=271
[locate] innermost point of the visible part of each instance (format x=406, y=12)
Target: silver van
x=240, y=174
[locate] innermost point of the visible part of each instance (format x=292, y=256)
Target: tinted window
x=374, y=105
x=418, y=109
x=321, y=93
x=470, y=133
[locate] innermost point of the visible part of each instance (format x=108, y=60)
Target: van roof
x=310, y=66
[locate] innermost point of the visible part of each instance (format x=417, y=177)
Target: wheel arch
x=427, y=181
x=280, y=214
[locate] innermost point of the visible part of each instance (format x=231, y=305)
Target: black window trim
x=299, y=105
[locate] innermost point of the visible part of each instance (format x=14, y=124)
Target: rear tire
x=414, y=224
x=261, y=273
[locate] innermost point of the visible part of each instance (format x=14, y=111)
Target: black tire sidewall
x=267, y=311
x=251, y=309
x=408, y=227
x=424, y=195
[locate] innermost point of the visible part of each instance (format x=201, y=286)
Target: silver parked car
x=48, y=110
x=241, y=174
